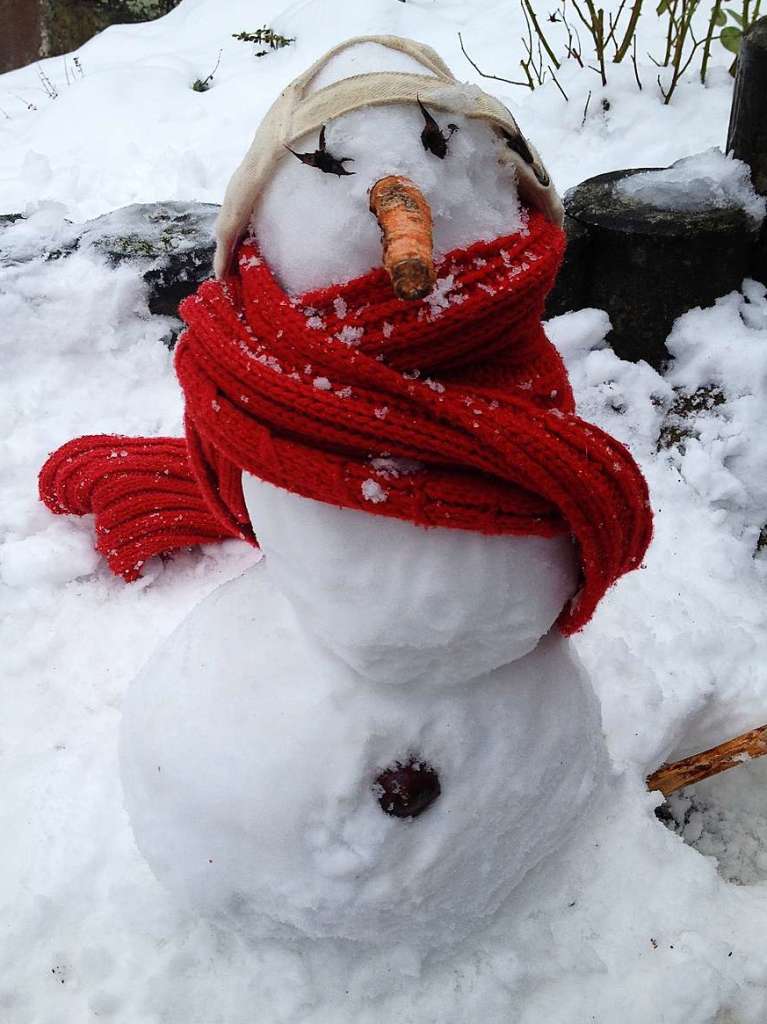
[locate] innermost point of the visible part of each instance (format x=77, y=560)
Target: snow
x=700, y=182
x=624, y=924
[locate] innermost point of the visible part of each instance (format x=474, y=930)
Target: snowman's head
x=372, y=109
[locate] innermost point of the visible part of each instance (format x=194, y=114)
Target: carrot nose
x=404, y=217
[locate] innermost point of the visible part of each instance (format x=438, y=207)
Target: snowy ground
x=628, y=924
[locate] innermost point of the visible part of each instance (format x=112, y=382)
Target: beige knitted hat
x=298, y=111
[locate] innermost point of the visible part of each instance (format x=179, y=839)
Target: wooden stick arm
x=670, y=777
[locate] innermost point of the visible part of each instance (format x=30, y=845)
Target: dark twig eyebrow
x=518, y=144
x=433, y=138
x=323, y=160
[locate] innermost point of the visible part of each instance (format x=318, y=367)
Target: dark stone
x=407, y=790
x=171, y=245
x=172, y=242
x=36, y=240
x=646, y=266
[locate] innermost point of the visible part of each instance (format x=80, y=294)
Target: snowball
x=402, y=604
x=372, y=491
x=316, y=229
x=249, y=759
x=699, y=182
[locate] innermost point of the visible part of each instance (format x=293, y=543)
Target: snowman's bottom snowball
x=249, y=760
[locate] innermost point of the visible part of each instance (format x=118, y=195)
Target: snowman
x=379, y=729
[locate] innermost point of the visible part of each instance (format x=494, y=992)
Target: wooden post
x=647, y=265
x=747, y=134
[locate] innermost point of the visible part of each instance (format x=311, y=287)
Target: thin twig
x=586, y=109
x=50, y=89
x=497, y=78
x=529, y=66
x=541, y=36
x=613, y=23
x=634, y=63
x=572, y=29
x=671, y=11
x=556, y=82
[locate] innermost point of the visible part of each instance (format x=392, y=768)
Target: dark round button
x=407, y=790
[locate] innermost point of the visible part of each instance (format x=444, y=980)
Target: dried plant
x=203, y=84
x=265, y=36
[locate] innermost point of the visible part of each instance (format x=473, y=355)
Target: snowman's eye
x=433, y=138
x=323, y=160
x=519, y=145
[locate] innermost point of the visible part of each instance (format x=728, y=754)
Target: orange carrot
x=404, y=217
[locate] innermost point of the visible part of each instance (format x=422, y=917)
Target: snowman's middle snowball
x=404, y=605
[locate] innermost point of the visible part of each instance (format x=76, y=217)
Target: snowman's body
x=253, y=739
x=251, y=749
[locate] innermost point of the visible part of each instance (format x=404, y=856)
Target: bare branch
x=483, y=74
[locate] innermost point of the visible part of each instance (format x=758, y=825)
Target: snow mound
x=700, y=182
x=726, y=818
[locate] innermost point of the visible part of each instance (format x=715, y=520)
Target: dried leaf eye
x=518, y=144
x=433, y=138
x=323, y=160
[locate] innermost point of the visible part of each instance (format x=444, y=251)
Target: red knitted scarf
x=454, y=411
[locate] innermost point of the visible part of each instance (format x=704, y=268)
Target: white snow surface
x=699, y=182
x=626, y=923
x=403, y=605
x=250, y=757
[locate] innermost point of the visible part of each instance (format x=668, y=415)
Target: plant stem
x=541, y=36
x=712, y=22
x=631, y=28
